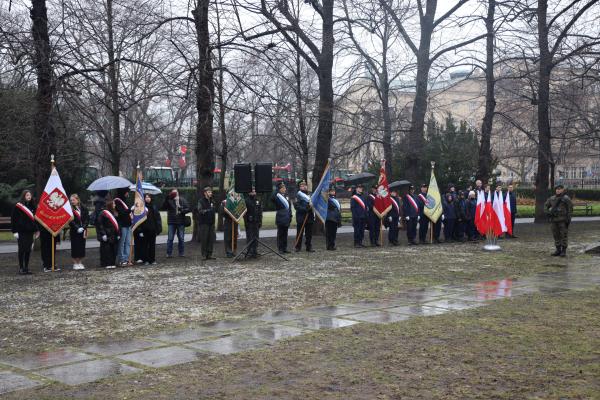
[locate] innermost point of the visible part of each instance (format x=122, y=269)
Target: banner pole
x=299, y=234
x=381, y=230
x=430, y=232
x=52, y=253
x=232, y=235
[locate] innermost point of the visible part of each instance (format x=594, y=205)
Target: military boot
x=557, y=252
x=563, y=251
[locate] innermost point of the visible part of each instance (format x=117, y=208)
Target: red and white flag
x=508, y=214
x=494, y=226
x=499, y=211
x=480, y=220
x=383, y=201
x=54, y=210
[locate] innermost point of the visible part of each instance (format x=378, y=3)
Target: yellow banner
x=433, y=209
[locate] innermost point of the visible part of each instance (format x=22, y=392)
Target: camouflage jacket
x=559, y=208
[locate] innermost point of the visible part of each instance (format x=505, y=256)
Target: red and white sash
x=372, y=196
x=77, y=213
x=112, y=219
x=412, y=202
x=396, y=206
x=360, y=202
x=123, y=204
x=423, y=198
x=25, y=210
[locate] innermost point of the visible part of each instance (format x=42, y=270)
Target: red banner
x=383, y=201
x=54, y=210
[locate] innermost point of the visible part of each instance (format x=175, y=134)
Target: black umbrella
x=399, y=184
x=358, y=178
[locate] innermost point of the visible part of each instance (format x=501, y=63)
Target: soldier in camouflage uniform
x=559, y=209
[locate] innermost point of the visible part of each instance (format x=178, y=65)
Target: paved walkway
x=94, y=361
x=11, y=247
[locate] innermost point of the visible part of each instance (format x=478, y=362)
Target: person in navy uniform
x=253, y=222
x=422, y=218
x=333, y=220
x=513, y=209
x=471, y=211
x=449, y=217
x=393, y=217
x=373, y=219
x=107, y=232
x=460, y=205
x=304, y=212
x=411, y=214
x=358, y=207
x=283, y=216
x=24, y=229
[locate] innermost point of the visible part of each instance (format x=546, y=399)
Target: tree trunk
x=42, y=124
x=387, y=125
x=301, y=122
x=221, y=100
x=544, y=144
x=485, y=151
x=115, y=156
x=205, y=152
x=325, y=130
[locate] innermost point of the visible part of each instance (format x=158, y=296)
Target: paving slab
x=272, y=333
x=418, y=310
x=121, y=347
x=278, y=316
x=379, y=317
x=163, y=357
x=230, y=324
x=185, y=335
x=45, y=359
x=10, y=382
x=453, y=304
x=87, y=371
x=229, y=344
x=316, y=323
x=334, y=310
x=375, y=304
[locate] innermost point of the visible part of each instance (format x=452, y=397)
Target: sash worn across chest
x=303, y=196
x=283, y=201
x=424, y=199
x=396, y=206
x=123, y=204
x=111, y=218
x=413, y=203
x=335, y=202
x=25, y=211
x=359, y=201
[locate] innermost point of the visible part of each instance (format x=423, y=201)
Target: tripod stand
x=246, y=250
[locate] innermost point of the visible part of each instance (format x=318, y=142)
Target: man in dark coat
x=333, y=220
x=423, y=219
x=513, y=208
x=411, y=215
x=359, y=215
x=283, y=216
x=393, y=218
x=206, y=223
x=176, y=207
x=253, y=222
x=305, y=218
x=374, y=220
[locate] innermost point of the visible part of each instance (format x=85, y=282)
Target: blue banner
x=139, y=211
x=320, y=196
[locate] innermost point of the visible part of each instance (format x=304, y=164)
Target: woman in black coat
x=24, y=228
x=78, y=231
x=148, y=231
x=333, y=220
x=107, y=229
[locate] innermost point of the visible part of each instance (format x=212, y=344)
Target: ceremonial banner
x=492, y=225
x=54, y=210
x=235, y=206
x=500, y=228
x=433, y=207
x=383, y=202
x=480, y=217
x=139, y=212
x=320, y=196
x=508, y=214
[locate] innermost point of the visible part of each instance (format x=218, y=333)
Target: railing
x=581, y=183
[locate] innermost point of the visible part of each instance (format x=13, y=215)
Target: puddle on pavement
x=379, y=317
x=334, y=310
x=163, y=357
x=277, y=316
x=453, y=304
x=272, y=333
x=232, y=324
x=9, y=382
x=111, y=349
x=418, y=310
x=88, y=371
x=185, y=335
x=229, y=344
x=45, y=359
x=316, y=323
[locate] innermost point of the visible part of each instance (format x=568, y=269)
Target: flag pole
x=137, y=169
x=51, y=167
x=430, y=221
x=299, y=234
x=381, y=231
x=232, y=234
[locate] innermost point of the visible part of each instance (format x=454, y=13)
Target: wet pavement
x=95, y=361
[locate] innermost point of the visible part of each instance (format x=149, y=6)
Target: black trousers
x=252, y=232
x=227, y=232
x=374, y=228
x=306, y=232
x=359, y=231
x=207, y=237
x=330, y=233
x=25, y=242
x=147, y=247
x=449, y=226
x=437, y=229
x=423, y=228
x=393, y=232
x=108, y=253
x=138, y=243
x=46, y=248
x=282, y=237
x=411, y=229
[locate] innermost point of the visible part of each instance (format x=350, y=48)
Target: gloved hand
x=390, y=219
x=80, y=230
x=141, y=234
x=443, y=217
x=104, y=238
x=419, y=218
x=408, y=218
x=16, y=235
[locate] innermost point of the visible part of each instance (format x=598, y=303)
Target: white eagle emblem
x=55, y=200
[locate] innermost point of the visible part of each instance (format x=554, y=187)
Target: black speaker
x=263, y=177
x=242, y=175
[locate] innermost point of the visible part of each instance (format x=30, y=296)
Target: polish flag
x=508, y=214
x=54, y=210
x=480, y=221
x=498, y=224
x=383, y=202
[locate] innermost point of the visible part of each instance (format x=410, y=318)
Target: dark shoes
x=210, y=257
x=412, y=243
x=358, y=245
x=310, y=250
x=558, y=251
x=563, y=251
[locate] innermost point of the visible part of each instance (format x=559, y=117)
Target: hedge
x=580, y=194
